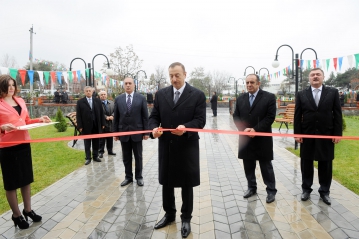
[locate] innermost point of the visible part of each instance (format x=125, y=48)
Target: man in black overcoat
x=317, y=112
x=213, y=101
x=108, y=110
x=255, y=112
x=131, y=114
x=90, y=120
x=178, y=107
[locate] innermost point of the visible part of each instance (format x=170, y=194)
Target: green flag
x=13, y=73
x=87, y=72
x=356, y=60
x=328, y=61
x=47, y=74
x=70, y=75
x=308, y=64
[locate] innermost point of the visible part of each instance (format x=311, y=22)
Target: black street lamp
x=242, y=83
x=78, y=58
x=295, y=61
x=301, y=71
x=254, y=71
x=109, y=71
x=234, y=83
x=136, y=78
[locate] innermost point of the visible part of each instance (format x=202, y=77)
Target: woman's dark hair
x=4, y=85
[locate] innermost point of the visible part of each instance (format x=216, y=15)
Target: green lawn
x=51, y=161
x=345, y=164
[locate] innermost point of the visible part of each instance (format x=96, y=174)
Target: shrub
x=62, y=125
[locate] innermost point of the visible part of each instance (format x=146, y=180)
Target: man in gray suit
x=131, y=114
x=108, y=107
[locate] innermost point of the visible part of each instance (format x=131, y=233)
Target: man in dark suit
x=178, y=107
x=90, y=120
x=213, y=101
x=57, y=96
x=131, y=114
x=317, y=112
x=108, y=109
x=255, y=112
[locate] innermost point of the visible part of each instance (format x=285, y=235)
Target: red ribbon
x=215, y=131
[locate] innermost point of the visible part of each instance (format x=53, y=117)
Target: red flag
x=286, y=70
x=315, y=63
x=53, y=76
x=335, y=60
x=75, y=76
x=22, y=76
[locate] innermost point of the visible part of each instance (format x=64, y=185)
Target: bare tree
x=220, y=81
x=124, y=61
x=8, y=61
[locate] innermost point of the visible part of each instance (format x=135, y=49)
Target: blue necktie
x=251, y=99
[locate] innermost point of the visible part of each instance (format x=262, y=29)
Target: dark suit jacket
x=109, y=112
x=213, y=101
x=179, y=155
x=326, y=119
x=260, y=117
x=84, y=115
x=136, y=119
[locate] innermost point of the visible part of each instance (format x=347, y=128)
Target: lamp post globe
x=275, y=63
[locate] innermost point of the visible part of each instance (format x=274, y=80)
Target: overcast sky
x=221, y=35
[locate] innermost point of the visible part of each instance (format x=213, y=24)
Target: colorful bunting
x=22, y=76
x=13, y=73
x=340, y=63
x=31, y=76
x=47, y=74
x=335, y=60
x=59, y=77
x=41, y=77
x=356, y=60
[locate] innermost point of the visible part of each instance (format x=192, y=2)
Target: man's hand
x=335, y=141
x=178, y=131
x=145, y=137
x=298, y=140
x=249, y=130
x=156, y=132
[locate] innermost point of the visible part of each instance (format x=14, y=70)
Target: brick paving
x=90, y=203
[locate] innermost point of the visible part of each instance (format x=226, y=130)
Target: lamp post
x=136, y=78
x=259, y=73
x=295, y=61
x=78, y=58
x=247, y=68
x=234, y=82
x=301, y=72
x=109, y=71
x=237, y=84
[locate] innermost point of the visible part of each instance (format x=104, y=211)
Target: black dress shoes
x=140, y=182
x=270, y=198
x=88, y=161
x=111, y=153
x=185, y=229
x=249, y=193
x=97, y=159
x=326, y=199
x=164, y=222
x=126, y=182
x=100, y=155
x=305, y=196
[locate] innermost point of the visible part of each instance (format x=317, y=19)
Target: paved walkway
x=90, y=203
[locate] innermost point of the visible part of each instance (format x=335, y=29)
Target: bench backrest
x=72, y=117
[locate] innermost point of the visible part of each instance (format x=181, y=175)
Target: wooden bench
x=72, y=117
x=288, y=116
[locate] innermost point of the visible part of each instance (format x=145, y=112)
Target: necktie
x=128, y=103
x=176, y=97
x=316, y=96
x=104, y=102
x=90, y=102
x=251, y=99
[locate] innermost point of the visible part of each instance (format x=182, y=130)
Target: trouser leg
x=268, y=176
x=109, y=144
x=307, y=168
x=187, y=203
x=137, y=151
x=102, y=145
x=87, y=143
x=249, y=169
x=127, y=158
x=325, y=170
x=168, y=201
